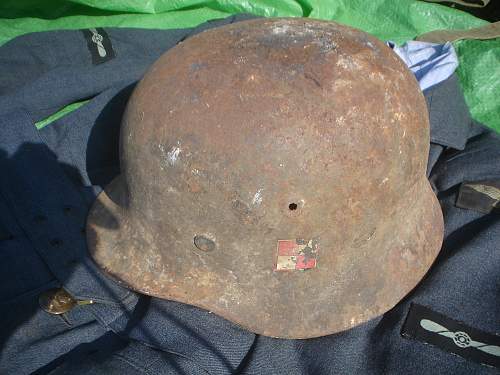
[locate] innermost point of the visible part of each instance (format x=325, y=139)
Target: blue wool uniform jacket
x=49, y=177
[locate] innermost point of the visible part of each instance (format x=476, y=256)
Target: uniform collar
x=449, y=115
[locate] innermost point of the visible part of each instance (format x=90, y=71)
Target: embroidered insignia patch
x=481, y=196
x=296, y=254
x=99, y=45
x=455, y=337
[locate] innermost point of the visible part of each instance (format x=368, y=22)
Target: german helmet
x=273, y=172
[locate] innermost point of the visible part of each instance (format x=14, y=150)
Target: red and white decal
x=296, y=254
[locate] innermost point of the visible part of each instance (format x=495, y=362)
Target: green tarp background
x=396, y=20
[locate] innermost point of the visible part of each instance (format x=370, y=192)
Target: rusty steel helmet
x=273, y=172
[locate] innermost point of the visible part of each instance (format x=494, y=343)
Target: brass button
x=56, y=301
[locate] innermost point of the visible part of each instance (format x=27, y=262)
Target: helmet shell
x=273, y=172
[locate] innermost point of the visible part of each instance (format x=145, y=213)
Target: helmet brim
x=378, y=272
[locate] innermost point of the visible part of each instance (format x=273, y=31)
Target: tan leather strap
x=489, y=31
x=464, y=3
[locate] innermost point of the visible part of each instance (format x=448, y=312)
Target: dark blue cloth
x=49, y=178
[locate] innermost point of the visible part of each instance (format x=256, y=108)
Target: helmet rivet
x=203, y=243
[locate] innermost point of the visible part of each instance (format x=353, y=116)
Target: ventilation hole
x=292, y=206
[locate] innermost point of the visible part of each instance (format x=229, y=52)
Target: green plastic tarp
x=396, y=20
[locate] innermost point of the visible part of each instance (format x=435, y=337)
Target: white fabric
x=430, y=63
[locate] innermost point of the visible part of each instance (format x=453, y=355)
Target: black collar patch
x=434, y=328
x=99, y=45
x=481, y=196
